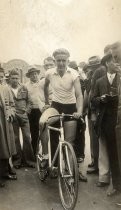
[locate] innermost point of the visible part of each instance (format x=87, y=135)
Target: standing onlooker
x=93, y=63
x=80, y=137
x=103, y=161
x=35, y=90
x=106, y=101
x=7, y=141
x=22, y=101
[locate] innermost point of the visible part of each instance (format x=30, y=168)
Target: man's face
x=34, y=76
x=113, y=67
x=49, y=65
x=1, y=77
x=14, y=81
x=61, y=64
x=117, y=54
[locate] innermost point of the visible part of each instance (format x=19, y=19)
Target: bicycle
x=67, y=165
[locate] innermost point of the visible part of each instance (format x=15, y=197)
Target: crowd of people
x=90, y=90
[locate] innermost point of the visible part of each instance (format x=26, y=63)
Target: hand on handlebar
x=76, y=115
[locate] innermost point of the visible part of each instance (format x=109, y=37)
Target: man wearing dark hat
x=103, y=162
x=93, y=63
x=66, y=91
x=106, y=101
x=22, y=101
x=80, y=140
x=35, y=90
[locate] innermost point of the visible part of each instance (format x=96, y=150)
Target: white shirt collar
x=56, y=72
x=111, y=77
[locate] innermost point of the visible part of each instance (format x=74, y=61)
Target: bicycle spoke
x=67, y=187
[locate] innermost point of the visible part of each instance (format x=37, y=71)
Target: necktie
x=111, y=79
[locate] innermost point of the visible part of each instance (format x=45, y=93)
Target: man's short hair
x=48, y=59
x=14, y=72
x=61, y=53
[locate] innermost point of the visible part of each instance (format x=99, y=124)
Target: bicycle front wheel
x=68, y=176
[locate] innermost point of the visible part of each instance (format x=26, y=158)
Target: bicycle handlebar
x=66, y=115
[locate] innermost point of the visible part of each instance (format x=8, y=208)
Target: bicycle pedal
x=70, y=181
x=43, y=174
x=54, y=173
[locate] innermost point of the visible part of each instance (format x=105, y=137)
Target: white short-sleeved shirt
x=36, y=93
x=62, y=87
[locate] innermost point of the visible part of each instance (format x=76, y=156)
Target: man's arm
x=46, y=91
x=79, y=97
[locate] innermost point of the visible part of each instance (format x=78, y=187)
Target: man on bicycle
x=66, y=92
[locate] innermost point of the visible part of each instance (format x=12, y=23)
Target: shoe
x=12, y=171
x=30, y=165
x=54, y=173
x=102, y=184
x=118, y=204
x=111, y=193
x=2, y=184
x=92, y=171
x=10, y=177
x=43, y=173
x=80, y=160
x=82, y=178
x=91, y=165
x=17, y=166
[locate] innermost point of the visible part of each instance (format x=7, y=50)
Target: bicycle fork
x=62, y=146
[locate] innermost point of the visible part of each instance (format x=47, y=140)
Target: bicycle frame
x=59, y=147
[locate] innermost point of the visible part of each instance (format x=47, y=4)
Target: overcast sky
x=32, y=29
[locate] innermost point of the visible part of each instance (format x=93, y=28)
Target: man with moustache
x=106, y=101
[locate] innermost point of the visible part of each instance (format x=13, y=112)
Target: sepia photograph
x=60, y=104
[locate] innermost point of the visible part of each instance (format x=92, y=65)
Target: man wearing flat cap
x=103, y=161
x=94, y=63
x=106, y=101
x=66, y=92
x=35, y=91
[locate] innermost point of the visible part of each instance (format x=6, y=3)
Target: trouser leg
x=28, y=155
x=34, y=117
x=112, y=152
x=91, y=140
x=17, y=159
x=94, y=144
x=104, y=169
x=79, y=143
x=4, y=171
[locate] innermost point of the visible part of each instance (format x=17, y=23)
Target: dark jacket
x=111, y=103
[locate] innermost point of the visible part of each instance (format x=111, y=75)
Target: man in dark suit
x=106, y=101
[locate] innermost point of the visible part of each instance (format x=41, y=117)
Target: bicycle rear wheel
x=68, y=177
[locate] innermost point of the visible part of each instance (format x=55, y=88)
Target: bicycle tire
x=67, y=205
